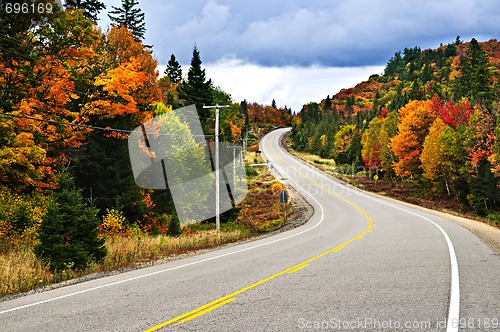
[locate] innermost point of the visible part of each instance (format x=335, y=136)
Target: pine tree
x=244, y=111
x=197, y=90
x=476, y=81
x=174, y=226
x=69, y=231
x=91, y=8
x=273, y=104
x=131, y=17
x=174, y=70
x=328, y=103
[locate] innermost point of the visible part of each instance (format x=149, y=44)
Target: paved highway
x=360, y=264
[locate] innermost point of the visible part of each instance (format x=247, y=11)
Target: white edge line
x=176, y=267
x=454, y=302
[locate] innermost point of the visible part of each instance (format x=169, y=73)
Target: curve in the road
x=399, y=271
x=454, y=302
x=206, y=308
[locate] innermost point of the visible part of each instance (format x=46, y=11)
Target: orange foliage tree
x=415, y=119
x=443, y=154
x=44, y=77
x=128, y=82
x=268, y=115
x=372, y=143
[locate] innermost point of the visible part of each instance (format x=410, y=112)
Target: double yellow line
x=186, y=317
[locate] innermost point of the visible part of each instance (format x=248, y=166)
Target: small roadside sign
x=283, y=196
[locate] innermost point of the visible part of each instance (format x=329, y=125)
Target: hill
x=430, y=119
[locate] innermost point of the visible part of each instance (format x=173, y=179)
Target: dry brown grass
x=124, y=251
x=21, y=270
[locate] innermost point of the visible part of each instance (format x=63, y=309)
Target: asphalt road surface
x=360, y=264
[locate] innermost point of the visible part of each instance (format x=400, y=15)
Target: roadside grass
x=326, y=165
x=260, y=212
x=21, y=270
x=407, y=191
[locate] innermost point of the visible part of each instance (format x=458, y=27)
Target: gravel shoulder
x=488, y=234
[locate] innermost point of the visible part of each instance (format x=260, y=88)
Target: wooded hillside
x=432, y=118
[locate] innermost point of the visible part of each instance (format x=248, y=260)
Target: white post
x=217, y=174
x=217, y=182
x=234, y=166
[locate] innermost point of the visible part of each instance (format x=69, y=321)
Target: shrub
x=174, y=225
x=494, y=217
x=112, y=223
x=250, y=171
x=21, y=215
x=69, y=231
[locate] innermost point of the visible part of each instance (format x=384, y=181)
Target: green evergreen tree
x=451, y=50
x=130, y=16
x=476, y=81
x=91, y=8
x=197, y=90
x=174, y=226
x=395, y=66
x=104, y=172
x=69, y=231
x=174, y=70
x=483, y=189
x=273, y=104
x=328, y=103
x=244, y=111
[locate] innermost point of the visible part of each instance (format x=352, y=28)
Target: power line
x=81, y=93
x=109, y=129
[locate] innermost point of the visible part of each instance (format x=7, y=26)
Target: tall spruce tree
x=91, y=8
x=174, y=70
x=197, y=90
x=244, y=111
x=476, y=81
x=130, y=16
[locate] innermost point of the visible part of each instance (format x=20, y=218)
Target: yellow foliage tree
x=415, y=119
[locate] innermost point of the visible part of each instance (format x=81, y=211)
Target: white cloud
x=290, y=86
x=210, y=24
x=294, y=50
x=304, y=32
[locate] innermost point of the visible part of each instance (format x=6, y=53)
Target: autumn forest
x=429, y=123
x=70, y=95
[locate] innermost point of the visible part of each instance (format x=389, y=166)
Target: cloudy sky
x=297, y=51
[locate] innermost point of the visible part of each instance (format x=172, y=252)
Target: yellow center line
x=187, y=319
x=231, y=297
x=290, y=271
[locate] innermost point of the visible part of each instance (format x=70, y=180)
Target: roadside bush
x=69, y=231
x=250, y=171
x=112, y=223
x=494, y=217
x=173, y=225
x=21, y=215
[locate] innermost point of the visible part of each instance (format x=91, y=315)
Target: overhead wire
x=83, y=126
x=81, y=93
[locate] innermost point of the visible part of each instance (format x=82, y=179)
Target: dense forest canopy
x=69, y=96
x=431, y=117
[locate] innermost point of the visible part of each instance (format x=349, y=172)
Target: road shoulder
x=488, y=234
